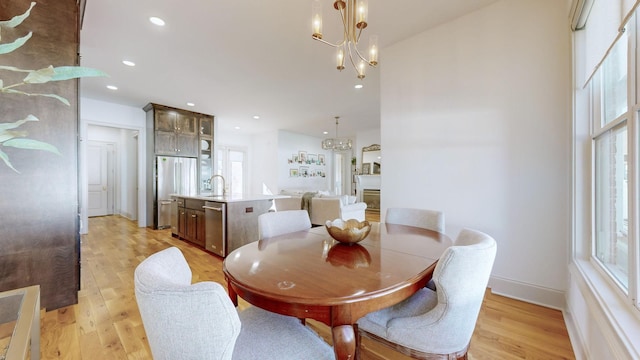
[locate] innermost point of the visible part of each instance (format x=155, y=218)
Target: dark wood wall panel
x=39, y=234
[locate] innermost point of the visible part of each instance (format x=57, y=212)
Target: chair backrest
x=282, y=222
x=461, y=277
x=183, y=320
x=422, y=218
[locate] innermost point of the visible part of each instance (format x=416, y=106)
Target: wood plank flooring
x=105, y=324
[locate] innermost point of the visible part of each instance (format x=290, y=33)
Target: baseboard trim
x=534, y=294
x=577, y=342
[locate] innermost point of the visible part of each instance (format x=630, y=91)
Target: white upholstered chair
x=439, y=325
x=199, y=322
x=422, y=218
x=282, y=222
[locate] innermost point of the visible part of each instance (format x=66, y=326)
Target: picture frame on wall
x=312, y=159
x=302, y=157
x=304, y=171
x=293, y=172
x=321, y=159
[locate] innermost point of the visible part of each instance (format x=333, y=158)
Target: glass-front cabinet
x=205, y=156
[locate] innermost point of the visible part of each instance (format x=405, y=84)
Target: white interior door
x=100, y=188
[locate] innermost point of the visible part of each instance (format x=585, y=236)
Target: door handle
x=212, y=208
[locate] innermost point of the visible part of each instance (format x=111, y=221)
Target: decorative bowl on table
x=348, y=231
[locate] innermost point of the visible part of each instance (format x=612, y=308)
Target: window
x=231, y=163
x=612, y=203
x=611, y=134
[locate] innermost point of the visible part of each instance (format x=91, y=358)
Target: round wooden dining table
x=308, y=274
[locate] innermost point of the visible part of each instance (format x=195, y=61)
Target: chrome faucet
x=224, y=187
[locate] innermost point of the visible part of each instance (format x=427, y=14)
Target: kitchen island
x=219, y=224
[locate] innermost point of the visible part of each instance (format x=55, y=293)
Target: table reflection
x=350, y=256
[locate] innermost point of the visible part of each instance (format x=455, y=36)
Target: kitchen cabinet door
x=182, y=222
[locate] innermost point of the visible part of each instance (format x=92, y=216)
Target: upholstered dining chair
x=439, y=325
x=282, y=222
x=198, y=321
x=422, y=218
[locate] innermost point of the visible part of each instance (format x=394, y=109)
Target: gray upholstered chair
x=422, y=218
x=282, y=222
x=439, y=325
x=198, y=321
x=426, y=219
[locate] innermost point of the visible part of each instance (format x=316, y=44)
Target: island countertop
x=231, y=198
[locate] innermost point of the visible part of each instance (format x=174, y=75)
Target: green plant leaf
x=73, y=72
x=31, y=144
x=13, y=125
x=7, y=48
x=40, y=76
x=5, y=158
x=7, y=135
x=60, y=98
x=18, y=19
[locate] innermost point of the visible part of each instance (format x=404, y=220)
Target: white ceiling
x=235, y=59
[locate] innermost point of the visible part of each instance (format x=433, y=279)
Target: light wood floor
x=105, y=324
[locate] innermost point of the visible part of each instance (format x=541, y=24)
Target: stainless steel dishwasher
x=215, y=214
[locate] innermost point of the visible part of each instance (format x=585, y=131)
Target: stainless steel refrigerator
x=175, y=175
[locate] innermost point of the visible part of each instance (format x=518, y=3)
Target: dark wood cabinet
x=195, y=227
x=176, y=131
x=206, y=153
x=191, y=221
x=182, y=222
x=173, y=132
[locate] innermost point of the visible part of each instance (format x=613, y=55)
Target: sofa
x=322, y=206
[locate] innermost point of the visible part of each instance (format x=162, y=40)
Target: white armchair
x=325, y=208
x=434, y=325
x=199, y=322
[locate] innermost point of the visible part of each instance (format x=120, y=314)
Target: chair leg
x=358, y=341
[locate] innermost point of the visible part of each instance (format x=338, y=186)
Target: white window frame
x=629, y=296
x=225, y=170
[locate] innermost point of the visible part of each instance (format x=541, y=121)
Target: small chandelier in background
x=338, y=144
x=354, y=19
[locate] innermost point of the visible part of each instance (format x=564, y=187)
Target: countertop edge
x=229, y=199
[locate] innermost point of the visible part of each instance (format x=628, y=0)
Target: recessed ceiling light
x=128, y=63
x=325, y=132
x=237, y=127
x=191, y=104
x=111, y=87
x=358, y=86
x=256, y=117
x=156, y=21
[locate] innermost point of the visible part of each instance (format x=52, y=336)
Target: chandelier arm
x=351, y=56
x=358, y=37
x=329, y=43
x=345, y=26
x=360, y=56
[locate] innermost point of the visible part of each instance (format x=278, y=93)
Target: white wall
x=475, y=119
x=291, y=143
x=263, y=163
x=94, y=112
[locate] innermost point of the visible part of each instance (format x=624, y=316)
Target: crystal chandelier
x=338, y=144
x=353, y=14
